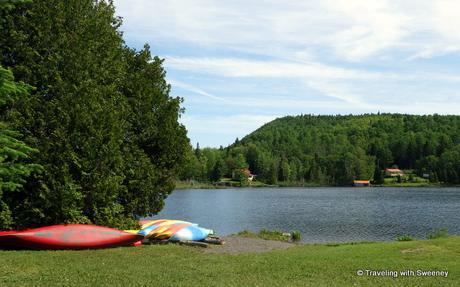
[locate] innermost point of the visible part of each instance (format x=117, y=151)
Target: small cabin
x=361, y=183
x=247, y=174
x=393, y=172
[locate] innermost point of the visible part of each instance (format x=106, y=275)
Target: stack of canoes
x=173, y=230
x=85, y=236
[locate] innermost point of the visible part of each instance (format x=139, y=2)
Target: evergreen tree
x=101, y=116
x=378, y=175
x=218, y=171
x=284, y=170
x=15, y=164
x=273, y=173
x=433, y=177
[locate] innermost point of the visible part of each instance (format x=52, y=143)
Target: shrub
x=272, y=235
x=440, y=233
x=404, y=238
x=296, y=235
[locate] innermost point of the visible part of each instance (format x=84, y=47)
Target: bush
x=404, y=238
x=273, y=235
x=440, y=233
x=296, y=235
x=412, y=178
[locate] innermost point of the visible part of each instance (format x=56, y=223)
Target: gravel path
x=235, y=245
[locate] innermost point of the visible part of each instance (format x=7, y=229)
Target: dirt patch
x=236, y=245
x=413, y=250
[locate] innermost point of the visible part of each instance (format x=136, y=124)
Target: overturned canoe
x=173, y=230
x=70, y=236
x=191, y=232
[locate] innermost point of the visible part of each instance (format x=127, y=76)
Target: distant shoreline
x=201, y=185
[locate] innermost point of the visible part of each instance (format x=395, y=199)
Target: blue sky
x=239, y=65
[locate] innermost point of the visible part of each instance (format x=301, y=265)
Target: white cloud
x=351, y=29
x=234, y=67
x=370, y=26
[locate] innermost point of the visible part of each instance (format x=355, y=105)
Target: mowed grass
x=172, y=265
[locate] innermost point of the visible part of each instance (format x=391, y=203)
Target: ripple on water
x=321, y=214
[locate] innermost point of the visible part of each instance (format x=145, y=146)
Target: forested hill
x=338, y=149
x=335, y=150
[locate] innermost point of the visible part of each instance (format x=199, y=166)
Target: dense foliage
x=338, y=149
x=100, y=116
x=14, y=153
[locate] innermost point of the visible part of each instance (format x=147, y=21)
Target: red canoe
x=70, y=236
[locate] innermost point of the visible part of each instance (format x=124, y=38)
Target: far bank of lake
x=257, y=184
x=321, y=214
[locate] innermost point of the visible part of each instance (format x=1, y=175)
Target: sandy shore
x=236, y=245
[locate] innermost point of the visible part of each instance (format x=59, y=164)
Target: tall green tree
x=101, y=116
x=379, y=177
x=15, y=165
x=218, y=170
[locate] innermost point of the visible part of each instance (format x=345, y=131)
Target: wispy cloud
x=354, y=29
x=240, y=63
x=193, y=89
x=234, y=67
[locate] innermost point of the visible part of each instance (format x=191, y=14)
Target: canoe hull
x=71, y=236
x=173, y=230
x=191, y=233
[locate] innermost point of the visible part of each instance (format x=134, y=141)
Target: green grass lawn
x=172, y=265
x=224, y=183
x=416, y=182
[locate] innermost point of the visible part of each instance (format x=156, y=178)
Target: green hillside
x=335, y=150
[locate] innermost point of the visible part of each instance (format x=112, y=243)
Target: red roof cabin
x=393, y=172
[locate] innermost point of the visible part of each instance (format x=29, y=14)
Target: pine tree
x=218, y=171
x=15, y=164
x=273, y=173
x=101, y=116
x=378, y=175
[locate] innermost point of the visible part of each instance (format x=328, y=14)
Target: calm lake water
x=321, y=214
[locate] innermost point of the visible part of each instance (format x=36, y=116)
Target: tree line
x=335, y=150
x=89, y=133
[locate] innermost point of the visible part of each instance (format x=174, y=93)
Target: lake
x=321, y=214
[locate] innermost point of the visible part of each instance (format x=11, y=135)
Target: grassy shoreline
x=172, y=265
